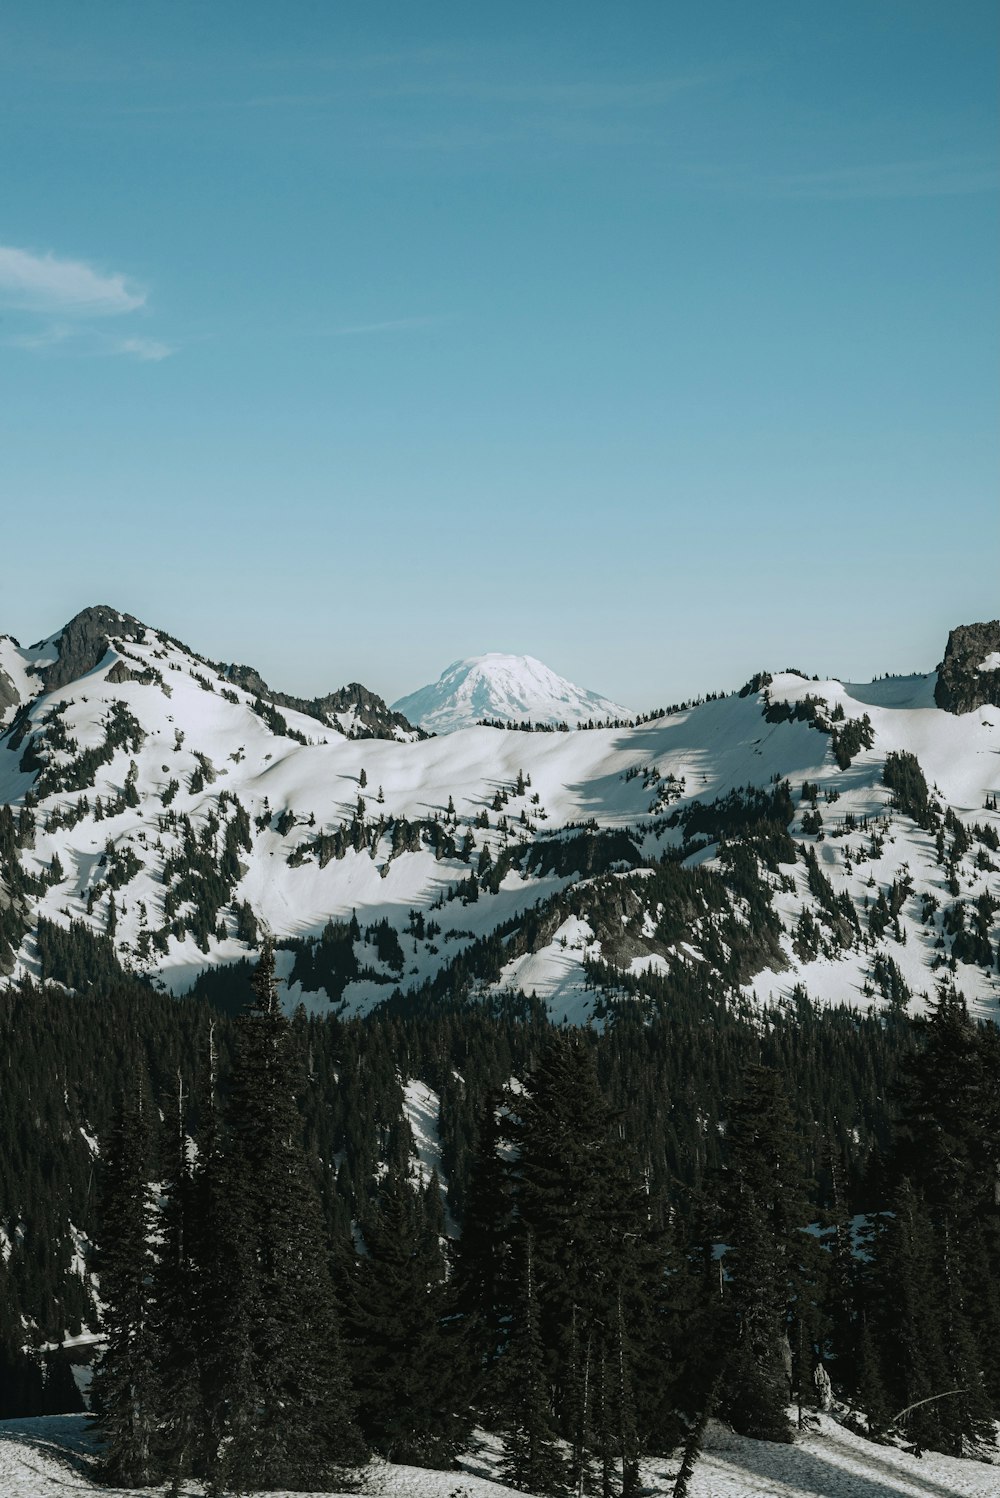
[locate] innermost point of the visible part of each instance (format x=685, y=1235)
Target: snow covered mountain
x=836, y=839
x=505, y=688
x=82, y=644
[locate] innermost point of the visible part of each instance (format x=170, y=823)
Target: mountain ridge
x=759, y=840
x=82, y=643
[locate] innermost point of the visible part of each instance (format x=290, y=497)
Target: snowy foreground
x=52, y=1457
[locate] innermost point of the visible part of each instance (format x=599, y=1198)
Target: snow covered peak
x=514, y=688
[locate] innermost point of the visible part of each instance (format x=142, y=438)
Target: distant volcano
x=514, y=688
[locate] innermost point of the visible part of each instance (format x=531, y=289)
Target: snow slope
x=53, y=1456
x=18, y=683
x=200, y=746
x=511, y=688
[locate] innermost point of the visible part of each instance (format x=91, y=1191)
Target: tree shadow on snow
x=809, y=1471
x=66, y=1441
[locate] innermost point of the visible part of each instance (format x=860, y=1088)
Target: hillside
x=173, y=807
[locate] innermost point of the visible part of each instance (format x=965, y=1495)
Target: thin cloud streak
x=581, y=94
x=88, y=343
x=932, y=177
x=45, y=283
x=569, y=97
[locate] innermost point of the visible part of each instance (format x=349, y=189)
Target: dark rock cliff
x=84, y=643
x=961, y=686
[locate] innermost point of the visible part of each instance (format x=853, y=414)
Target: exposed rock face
x=368, y=707
x=969, y=675
x=84, y=643
x=373, y=718
x=9, y=695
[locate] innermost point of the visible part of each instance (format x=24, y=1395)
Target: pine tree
x=870, y=1384
x=909, y=1330
x=482, y=1272
x=948, y=1149
x=211, y=1270
x=125, y=1384
x=532, y=1460
x=406, y=1348
x=179, y=1434
x=573, y=1196
x=286, y=1407
x=763, y=1209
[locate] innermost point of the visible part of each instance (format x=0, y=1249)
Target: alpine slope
x=796, y=839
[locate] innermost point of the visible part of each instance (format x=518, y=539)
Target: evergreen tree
x=573, y=1197
x=286, y=1408
x=125, y=1383
x=482, y=1272
x=21, y=1384
x=174, y=1313
x=870, y=1383
x=913, y=1359
x=763, y=1209
x=406, y=1346
x=218, y=1260
x=532, y=1459
x=932, y=1309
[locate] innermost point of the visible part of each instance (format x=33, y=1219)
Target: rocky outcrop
x=84, y=642
x=9, y=695
x=373, y=719
x=969, y=675
x=369, y=709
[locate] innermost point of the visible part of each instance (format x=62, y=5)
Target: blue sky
x=657, y=340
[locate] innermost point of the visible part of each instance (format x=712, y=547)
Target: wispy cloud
x=74, y=297
x=44, y=283
x=149, y=350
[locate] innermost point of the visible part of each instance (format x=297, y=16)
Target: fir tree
x=406, y=1347
x=482, y=1274
x=174, y=1314
x=948, y=1148
x=763, y=1209
x=572, y=1196
x=913, y=1360
x=532, y=1459
x=286, y=1406
x=125, y=1383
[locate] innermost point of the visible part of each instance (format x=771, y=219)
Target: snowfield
x=201, y=738
x=53, y=1457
